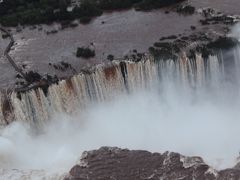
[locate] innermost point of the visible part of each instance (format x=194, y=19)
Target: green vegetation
x=4, y=36
x=29, y=12
x=16, y=12
x=116, y=4
x=154, y=4
x=223, y=43
x=110, y=57
x=187, y=10
x=85, y=52
x=87, y=9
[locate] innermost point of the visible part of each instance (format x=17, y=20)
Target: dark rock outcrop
x=122, y=164
x=203, y=43
x=211, y=16
x=186, y=9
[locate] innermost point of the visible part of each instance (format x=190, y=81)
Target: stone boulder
x=113, y=163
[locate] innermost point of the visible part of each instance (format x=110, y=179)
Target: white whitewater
x=188, y=105
x=105, y=82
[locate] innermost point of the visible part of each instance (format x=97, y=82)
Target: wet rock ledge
x=122, y=164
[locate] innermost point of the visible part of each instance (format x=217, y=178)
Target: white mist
x=153, y=121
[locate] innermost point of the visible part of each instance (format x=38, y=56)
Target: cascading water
x=105, y=82
x=153, y=84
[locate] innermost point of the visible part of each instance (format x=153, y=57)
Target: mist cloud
x=150, y=120
x=167, y=118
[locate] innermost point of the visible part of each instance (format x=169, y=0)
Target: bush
x=223, y=43
x=117, y=4
x=187, y=10
x=110, y=57
x=87, y=9
x=154, y=4
x=85, y=20
x=32, y=76
x=85, y=52
x=16, y=12
x=4, y=36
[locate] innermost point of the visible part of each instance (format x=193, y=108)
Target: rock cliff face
x=121, y=164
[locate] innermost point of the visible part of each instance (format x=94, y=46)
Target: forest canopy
x=29, y=12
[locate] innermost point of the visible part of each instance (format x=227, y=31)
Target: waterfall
x=106, y=81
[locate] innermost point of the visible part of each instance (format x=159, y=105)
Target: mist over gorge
x=181, y=96
x=171, y=114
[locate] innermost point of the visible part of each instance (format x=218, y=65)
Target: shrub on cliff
x=32, y=76
x=223, y=43
x=110, y=57
x=85, y=52
x=162, y=53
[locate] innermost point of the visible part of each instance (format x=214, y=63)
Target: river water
x=120, y=33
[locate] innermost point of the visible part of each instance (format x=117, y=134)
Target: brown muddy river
x=120, y=33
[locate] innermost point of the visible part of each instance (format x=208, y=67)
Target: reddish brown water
x=121, y=33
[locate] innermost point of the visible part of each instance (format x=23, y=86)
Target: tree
x=85, y=52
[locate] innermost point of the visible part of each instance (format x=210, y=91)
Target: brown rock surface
x=121, y=164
